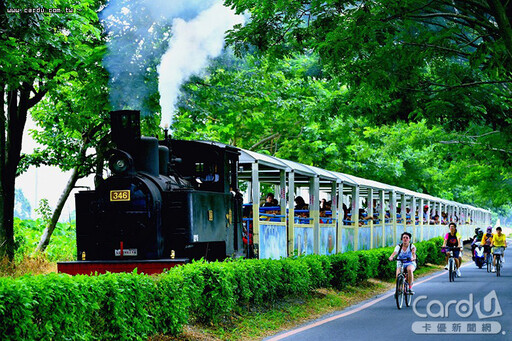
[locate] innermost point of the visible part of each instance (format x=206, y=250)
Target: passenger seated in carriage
x=444, y=218
x=300, y=204
x=363, y=217
x=247, y=231
x=408, y=218
x=435, y=220
x=399, y=218
x=346, y=213
x=270, y=201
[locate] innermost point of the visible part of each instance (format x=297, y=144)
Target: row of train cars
x=169, y=201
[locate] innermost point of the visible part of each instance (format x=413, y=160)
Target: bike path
x=483, y=301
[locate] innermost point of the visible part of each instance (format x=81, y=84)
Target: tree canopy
x=37, y=49
x=446, y=63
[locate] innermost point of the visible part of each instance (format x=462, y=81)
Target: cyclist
x=476, y=238
x=406, y=252
x=499, y=240
x=487, y=241
x=453, y=240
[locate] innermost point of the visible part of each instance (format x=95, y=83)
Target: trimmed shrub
x=170, y=303
x=319, y=269
x=345, y=267
x=368, y=264
x=385, y=268
x=218, y=297
x=295, y=278
x=16, y=310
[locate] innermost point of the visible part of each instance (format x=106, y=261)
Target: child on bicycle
x=406, y=252
x=499, y=242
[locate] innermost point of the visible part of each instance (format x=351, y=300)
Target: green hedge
x=135, y=306
x=106, y=307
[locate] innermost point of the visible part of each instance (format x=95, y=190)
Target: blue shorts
x=498, y=250
x=455, y=253
x=407, y=264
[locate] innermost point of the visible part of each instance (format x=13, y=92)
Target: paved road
x=477, y=302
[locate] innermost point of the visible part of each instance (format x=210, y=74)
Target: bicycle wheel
x=399, y=293
x=498, y=266
x=489, y=262
x=408, y=297
x=451, y=270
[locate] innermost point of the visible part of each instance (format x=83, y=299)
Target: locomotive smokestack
x=125, y=125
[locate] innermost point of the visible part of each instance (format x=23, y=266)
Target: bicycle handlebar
x=450, y=248
x=404, y=260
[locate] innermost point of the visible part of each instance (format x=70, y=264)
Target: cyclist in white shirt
x=407, y=254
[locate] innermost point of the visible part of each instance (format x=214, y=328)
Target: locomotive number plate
x=120, y=195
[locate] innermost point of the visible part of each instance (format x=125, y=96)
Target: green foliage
x=28, y=232
x=401, y=61
x=319, y=270
x=106, y=307
x=368, y=264
x=252, y=103
x=345, y=267
x=44, y=211
x=217, y=298
x=306, y=118
x=433, y=251
x=38, y=50
x=385, y=268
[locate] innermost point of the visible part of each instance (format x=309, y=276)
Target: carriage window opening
x=199, y=168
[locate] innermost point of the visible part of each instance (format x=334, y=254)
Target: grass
x=38, y=265
x=255, y=324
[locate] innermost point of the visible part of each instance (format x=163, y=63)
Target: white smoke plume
x=138, y=33
x=192, y=45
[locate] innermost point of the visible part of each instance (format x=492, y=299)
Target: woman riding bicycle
x=487, y=241
x=499, y=242
x=452, y=240
x=407, y=254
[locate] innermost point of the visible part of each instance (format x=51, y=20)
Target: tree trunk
x=3, y=231
x=48, y=231
x=12, y=125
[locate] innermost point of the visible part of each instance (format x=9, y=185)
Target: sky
x=46, y=182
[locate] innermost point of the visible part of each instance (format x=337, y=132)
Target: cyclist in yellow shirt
x=499, y=242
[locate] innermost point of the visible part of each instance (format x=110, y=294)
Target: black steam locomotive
x=166, y=202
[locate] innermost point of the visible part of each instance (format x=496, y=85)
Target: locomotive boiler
x=165, y=202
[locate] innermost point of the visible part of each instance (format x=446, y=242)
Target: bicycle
x=402, y=286
x=488, y=260
x=452, y=269
x=498, y=251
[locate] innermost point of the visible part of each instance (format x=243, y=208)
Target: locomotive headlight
x=120, y=162
x=120, y=165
